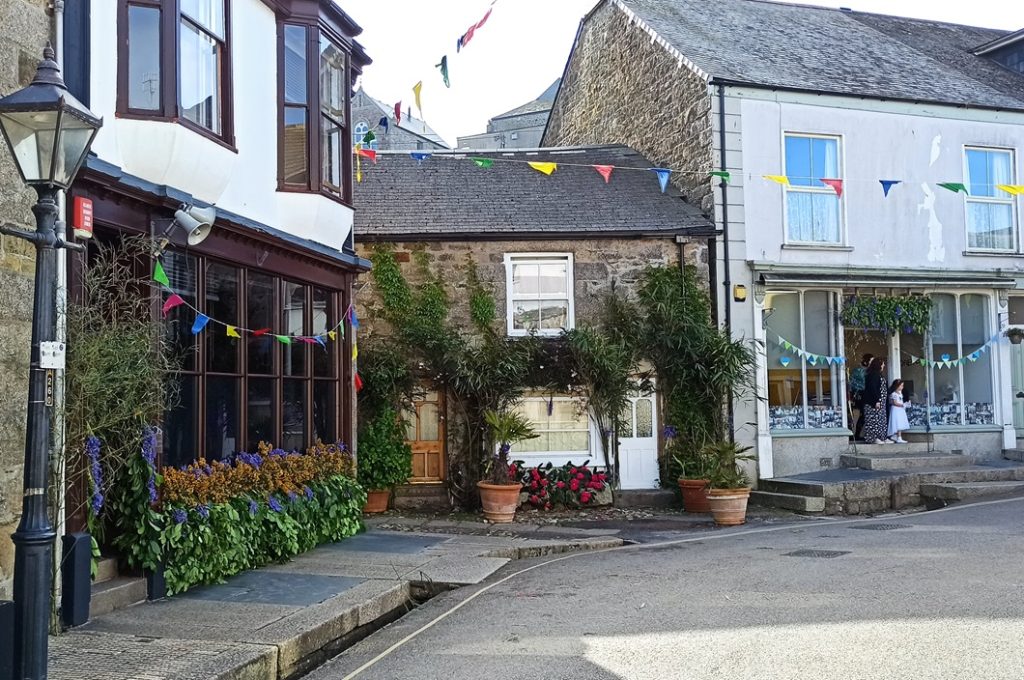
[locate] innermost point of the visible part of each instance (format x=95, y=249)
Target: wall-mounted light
x=739, y=293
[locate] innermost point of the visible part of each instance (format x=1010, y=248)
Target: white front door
x=638, y=445
x=1017, y=386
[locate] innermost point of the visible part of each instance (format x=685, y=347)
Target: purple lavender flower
x=92, y=450
x=149, y=454
x=278, y=453
x=180, y=516
x=504, y=449
x=275, y=504
x=251, y=459
x=254, y=507
x=342, y=446
x=670, y=432
x=203, y=510
x=207, y=470
x=309, y=493
x=292, y=496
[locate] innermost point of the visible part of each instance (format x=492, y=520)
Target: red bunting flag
x=261, y=331
x=367, y=153
x=836, y=184
x=358, y=381
x=605, y=171
x=398, y=112
x=172, y=301
x=468, y=35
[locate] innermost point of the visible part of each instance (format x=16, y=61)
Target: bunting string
x=946, y=361
x=811, y=358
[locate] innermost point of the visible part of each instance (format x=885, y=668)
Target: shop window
x=813, y=212
x=222, y=304
x=563, y=428
x=991, y=224
x=805, y=388
x=1016, y=307
x=540, y=294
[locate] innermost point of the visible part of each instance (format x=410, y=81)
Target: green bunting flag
x=369, y=137
x=483, y=162
x=721, y=173
x=955, y=187
x=159, y=275
x=283, y=339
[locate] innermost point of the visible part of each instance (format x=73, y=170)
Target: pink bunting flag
x=398, y=112
x=172, y=301
x=836, y=184
x=308, y=341
x=605, y=171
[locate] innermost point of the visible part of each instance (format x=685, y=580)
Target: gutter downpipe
x=726, y=269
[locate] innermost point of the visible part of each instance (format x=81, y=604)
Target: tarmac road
x=931, y=595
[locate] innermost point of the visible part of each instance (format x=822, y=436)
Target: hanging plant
x=906, y=313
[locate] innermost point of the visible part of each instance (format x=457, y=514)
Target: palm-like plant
x=507, y=428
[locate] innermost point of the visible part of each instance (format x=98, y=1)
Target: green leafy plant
x=507, y=428
x=384, y=458
x=891, y=315
x=725, y=472
x=1015, y=335
x=690, y=463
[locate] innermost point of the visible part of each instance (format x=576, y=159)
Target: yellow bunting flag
x=416, y=91
x=778, y=179
x=1015, y=189
x=359, y=164
x=546, y=168
x=355, y=351
x=332, y=335
x=233, y=332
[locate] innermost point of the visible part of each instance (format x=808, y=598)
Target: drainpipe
x=727, y=282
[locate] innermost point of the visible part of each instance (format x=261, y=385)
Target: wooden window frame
x=995, y=199
x=512, y=259
x=314, y=138
x=822, y=189
x=170, y=109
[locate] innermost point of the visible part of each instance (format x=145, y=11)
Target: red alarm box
x=81, y=217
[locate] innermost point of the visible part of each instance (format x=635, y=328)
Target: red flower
x=534, y=500
x=585, y=497
x=560, y=484
x=574, y=485
x=534, y=473
x=533, y=485
x=544, y=482
x=572, y=471
x=547, y=506
x=579, y=476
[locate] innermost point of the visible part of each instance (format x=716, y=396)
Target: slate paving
x=281, y=621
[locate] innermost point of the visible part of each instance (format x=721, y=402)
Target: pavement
x=924, y=595
x=281, y=621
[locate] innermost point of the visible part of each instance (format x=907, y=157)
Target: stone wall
x=598, y=267
x=24, y=30
x=396, y=138
x=622, y=87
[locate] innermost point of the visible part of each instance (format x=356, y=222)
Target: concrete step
x=939, y=495
x=901, y=459
x=117, y=593
x=910, y=447
x=422, y=497
x=1014, y=454
x=106, y=570
x=646, y=498
x=788, y=501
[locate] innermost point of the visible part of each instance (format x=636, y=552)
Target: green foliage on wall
x=891, y=315
x=385, y=460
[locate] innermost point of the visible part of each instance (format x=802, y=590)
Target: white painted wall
x=243, y=182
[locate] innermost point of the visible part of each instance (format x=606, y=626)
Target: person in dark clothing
x=857, y=377
x=875, y=398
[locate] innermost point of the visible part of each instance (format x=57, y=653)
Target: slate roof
x=410, y=123
x=819, y=49
x=449, y=197
x=541, y=103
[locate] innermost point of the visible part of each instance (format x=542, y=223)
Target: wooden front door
x=424, y=432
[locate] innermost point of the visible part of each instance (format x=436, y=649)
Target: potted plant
x=695, y=468
x=728, y=486
x=1015, y=335
x=384, y=460
x=499, y=492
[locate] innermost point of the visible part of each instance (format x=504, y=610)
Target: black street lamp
x=49, y=133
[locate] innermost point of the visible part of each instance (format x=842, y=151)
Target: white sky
x=524, y=45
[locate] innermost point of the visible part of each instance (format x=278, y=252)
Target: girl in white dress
x=897, y=413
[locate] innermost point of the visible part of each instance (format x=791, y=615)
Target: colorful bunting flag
x=383, y=122
x=173, y=300
x=367, y=153
x=419, y=156
x=1014, y=189
x=778, y=179
x=308, y=340
x=955, y=187
x=468, y=35
x=663, y=175
x=443, y=66
x=319, y=339
x=332, y=335
x=785, y=361
x=159, y=275
x=483, y=162
x=398, y=112
x=369, y=137
x=546, y=168
x=605, y=171
x=199, y=324
x=352, y=318
x=888, y=184
x=724, y=174
x=359, y=163
x=355, y=351
x=357, y=381
x=416, y=92
x=261, y=332
x=283, y=339
x=233, y=332
x=836, y=184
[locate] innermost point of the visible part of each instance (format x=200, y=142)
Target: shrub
x=570, y=485
x=384, y=458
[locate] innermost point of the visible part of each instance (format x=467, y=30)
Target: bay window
x=173, y=63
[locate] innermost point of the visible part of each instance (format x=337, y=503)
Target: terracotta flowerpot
x=377, y=500
x=499, y=501
x=1015, y=339
x=694, y=498
x=729, y=506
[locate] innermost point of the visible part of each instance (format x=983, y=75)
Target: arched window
x=360, y=132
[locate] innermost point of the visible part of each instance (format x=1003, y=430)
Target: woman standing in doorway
x=875, y=403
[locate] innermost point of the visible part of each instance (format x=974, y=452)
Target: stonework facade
x=398, y=137
x=599, y=266
x=622, y=87
x=24, y=30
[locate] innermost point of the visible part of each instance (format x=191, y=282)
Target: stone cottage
x=549, y=247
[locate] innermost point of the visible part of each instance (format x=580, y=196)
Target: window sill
x=817, y=246
x=992, y=253
x=811, y=432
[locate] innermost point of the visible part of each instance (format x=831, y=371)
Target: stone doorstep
x=116, y=593
x=787, y=501
x=952, y=491
x=1014, y=454
x=646, y=498
x=904, y=461
x=106, y=570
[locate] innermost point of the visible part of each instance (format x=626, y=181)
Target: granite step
x=106, y=570
x=422, y=497
x=903, y=460
x=117, y=593
x=788, y=501
x=939, y=495
x=646, y=498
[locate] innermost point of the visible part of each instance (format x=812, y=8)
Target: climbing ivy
x=906, y=313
